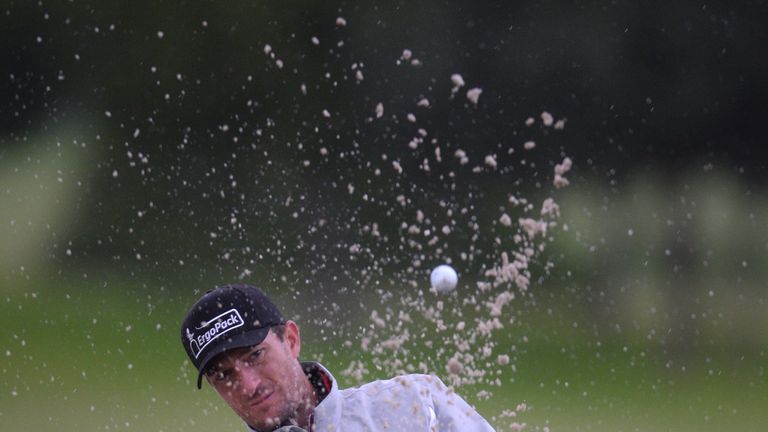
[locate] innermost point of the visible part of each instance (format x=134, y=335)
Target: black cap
x=225, y=318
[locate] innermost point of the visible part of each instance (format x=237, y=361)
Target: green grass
x=107, y=358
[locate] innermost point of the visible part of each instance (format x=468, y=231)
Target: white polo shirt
x=409, y=403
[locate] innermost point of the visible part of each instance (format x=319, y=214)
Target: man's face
x=265, y=384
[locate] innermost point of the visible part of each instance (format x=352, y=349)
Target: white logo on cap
x=212, y=329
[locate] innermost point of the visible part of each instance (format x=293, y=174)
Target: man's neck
x=318, y=386
x=309, y=402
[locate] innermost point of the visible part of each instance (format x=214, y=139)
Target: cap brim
x=249, y=338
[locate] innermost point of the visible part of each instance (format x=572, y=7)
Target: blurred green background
x=150, y=151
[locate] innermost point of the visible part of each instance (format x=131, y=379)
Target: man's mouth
x=259, y=400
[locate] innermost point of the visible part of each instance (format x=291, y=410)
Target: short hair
x=279, y=331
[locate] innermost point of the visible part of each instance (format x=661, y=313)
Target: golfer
x=239, y=341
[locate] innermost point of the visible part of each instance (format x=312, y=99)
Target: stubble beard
x=288, y=414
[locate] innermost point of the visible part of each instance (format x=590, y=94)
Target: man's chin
x=265, y=425
x=270, y=423
x=272, y=417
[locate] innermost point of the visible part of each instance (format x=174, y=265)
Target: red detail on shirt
x=326, y=382
x=317, y=375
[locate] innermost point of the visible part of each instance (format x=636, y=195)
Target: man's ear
x=292, y=338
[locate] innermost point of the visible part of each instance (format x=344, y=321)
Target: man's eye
x=219, y=375
x=256, y=354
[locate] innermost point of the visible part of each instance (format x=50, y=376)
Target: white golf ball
x=444, y=278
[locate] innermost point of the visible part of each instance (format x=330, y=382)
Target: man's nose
x=250, y=380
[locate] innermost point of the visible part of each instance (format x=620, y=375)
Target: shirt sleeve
x=451, y=412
